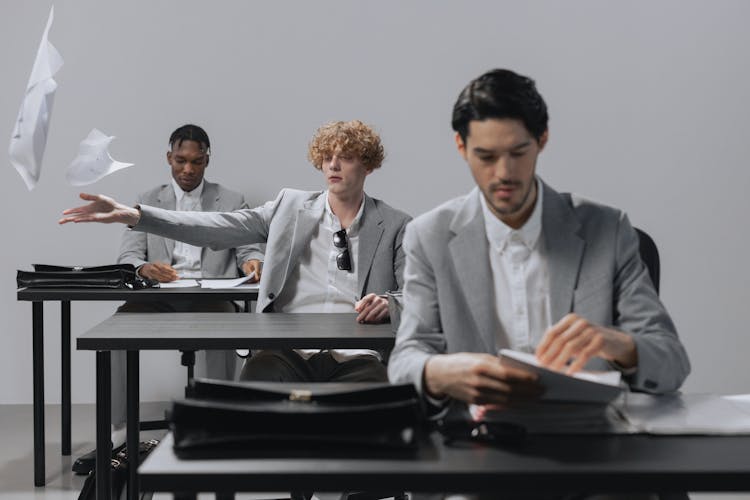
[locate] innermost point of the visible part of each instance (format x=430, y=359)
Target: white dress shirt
x=317, y=285
x=186, y=259
x=520, y=276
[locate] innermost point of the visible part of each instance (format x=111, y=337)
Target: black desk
x=133, y=332
x=625, y=463
x=65, y=296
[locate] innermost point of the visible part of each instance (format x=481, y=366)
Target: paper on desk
x=29, y=138
x=227, y=283
x=181, y=283
x=93, y=161
x=688, y=414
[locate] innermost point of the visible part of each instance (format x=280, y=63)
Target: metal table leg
x=37, y=321
x=103, y=424
x=133, y=425
x=65, y=376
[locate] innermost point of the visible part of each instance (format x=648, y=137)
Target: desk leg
x=65, y=376
x=133, y=429
x=103, y=424
x=37, y=322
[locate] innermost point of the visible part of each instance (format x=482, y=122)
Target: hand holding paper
x=93, y=161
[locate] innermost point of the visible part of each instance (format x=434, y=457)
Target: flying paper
x=93, y=161
x=30, y=133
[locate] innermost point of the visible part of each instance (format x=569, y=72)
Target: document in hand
x=581, y=387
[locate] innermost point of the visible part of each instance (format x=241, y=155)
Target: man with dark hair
x=166, y=260
x=515, y=264
x=336, y=250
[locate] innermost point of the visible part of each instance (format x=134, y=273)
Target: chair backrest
x=650, y=256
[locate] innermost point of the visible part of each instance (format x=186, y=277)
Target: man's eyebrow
x=520, y=145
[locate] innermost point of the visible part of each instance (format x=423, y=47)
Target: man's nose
x=335, y=162
x=503, y=167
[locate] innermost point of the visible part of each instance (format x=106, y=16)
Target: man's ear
x=543, y=140
x=460, y=145
x=169, y=157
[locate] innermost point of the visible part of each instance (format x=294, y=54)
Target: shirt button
x=271, y=296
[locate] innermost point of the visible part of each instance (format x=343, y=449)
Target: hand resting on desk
x=372, y=308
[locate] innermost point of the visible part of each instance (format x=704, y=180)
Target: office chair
x=649, y=256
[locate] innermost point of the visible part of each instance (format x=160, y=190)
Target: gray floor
x=17, y=461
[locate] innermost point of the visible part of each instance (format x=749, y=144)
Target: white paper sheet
x=93, y=161
x=29, y=138
x=687, y=414
x=229, y=283
x=186, y=283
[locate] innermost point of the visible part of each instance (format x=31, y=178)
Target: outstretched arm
x=101, y=209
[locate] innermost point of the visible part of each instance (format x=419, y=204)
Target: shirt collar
x=499, y=233
x=179, y=194
x=334, y=222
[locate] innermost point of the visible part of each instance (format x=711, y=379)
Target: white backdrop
x=648, y=103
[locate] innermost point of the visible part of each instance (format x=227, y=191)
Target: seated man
x=515, y=264
x=165, y=260
x=336, y=250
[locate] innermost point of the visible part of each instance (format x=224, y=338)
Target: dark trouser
x=288, y=366
x=212, y=364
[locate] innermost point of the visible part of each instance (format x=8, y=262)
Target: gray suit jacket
x=286, y=224
x=139, y=248
x=594, y=267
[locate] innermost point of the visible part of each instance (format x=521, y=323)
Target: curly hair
x=352, y=137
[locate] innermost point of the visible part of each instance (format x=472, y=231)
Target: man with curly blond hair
x=336, y=250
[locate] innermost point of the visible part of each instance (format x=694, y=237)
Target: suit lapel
x=308, y=219
x=564, y=250
x=469, y=250
x=167, y=201
x=370, y=232
x=209, y=203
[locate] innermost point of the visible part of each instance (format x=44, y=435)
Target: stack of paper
x=219, y=283
x=571, y=404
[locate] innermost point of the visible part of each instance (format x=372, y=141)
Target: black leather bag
x=119, y=470
x=265, y=419
x=111, y=276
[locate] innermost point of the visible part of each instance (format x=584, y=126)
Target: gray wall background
x=648, y=103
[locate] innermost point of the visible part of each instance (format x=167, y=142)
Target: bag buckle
x=300, y=395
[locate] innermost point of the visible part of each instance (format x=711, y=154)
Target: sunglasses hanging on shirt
x=343, y=259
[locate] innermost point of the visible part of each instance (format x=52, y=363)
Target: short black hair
x=190, y=132
x=500, y=93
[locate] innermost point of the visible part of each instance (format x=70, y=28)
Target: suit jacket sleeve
x=662, y=360
x=133, y=246
x=248, y=252
x=420, y=334
x=215, y=230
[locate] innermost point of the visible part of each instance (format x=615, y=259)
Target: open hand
x=101, y=209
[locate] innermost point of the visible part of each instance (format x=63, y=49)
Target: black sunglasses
x=343, y=259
